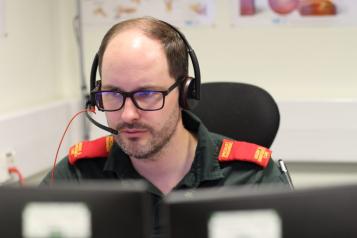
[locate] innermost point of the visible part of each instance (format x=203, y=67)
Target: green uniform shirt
x=206, y=170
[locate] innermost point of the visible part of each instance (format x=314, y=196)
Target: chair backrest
x=240, y=111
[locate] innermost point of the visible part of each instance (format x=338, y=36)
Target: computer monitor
x=91, y=209
x=244, y=212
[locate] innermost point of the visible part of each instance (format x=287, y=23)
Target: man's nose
x=130, y=112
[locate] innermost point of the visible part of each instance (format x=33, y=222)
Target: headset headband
x=193, y=88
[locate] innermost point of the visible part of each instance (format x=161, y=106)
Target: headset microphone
x=101, y=126
x=90, y=105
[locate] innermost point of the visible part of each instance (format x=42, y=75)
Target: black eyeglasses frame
x=99, y=103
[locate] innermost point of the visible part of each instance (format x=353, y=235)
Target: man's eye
x=146, y=93
x=111, y=94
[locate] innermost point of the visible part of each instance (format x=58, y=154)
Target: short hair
x=174, y=47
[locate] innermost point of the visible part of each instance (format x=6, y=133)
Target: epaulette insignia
x=244, y=151
x=91, y=149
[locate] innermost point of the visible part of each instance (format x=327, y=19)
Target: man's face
x=134, y=62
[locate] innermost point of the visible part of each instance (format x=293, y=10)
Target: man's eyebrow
x=141, y=88
x=110, y=87
x=150, y=87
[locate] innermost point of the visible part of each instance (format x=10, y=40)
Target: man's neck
x=166, y=168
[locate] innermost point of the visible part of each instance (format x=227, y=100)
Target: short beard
x=159, y=138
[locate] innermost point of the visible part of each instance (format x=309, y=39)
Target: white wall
x=39, y=61
x=38, y=56
x=39, y=75
x=34, y=135
x=290, y=62
x=27, y=58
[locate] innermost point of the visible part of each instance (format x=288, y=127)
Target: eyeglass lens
x=145, y=100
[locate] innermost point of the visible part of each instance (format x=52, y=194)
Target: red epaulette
x=90, y=149
x=244, y=151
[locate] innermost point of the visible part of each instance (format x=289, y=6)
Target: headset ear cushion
x=91, y=100
x=187, y=95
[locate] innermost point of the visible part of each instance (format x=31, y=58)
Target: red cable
x=59, y=146
x=14, y=170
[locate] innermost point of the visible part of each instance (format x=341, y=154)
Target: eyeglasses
x=146, y=100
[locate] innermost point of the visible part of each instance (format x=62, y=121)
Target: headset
x=190, y=88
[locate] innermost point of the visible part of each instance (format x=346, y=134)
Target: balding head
x=171, y=42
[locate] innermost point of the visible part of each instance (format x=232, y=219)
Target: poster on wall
x=294, y=12
x=177, y=12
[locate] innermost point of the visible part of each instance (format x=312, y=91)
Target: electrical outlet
x=6, y=160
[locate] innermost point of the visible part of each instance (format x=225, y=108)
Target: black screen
x=116, y=209
x=307, y=213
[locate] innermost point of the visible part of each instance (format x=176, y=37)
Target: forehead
x=131, y=58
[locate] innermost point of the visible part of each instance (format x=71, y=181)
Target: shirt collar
x=205, y=165
x=120, y=164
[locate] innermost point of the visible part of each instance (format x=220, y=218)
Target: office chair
x=240, y=111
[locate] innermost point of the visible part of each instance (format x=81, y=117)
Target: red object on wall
x=283, y=6
x=317, y=8
x=247, y=7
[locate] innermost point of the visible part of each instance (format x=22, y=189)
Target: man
x=143, y=64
